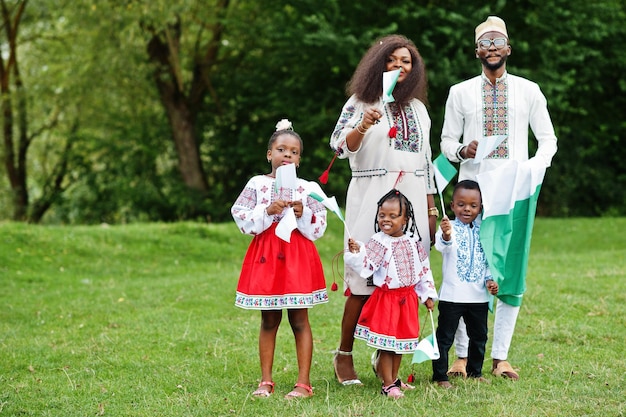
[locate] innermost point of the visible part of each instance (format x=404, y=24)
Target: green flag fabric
x=316, y=193
x=509, y=195
x=444, y=172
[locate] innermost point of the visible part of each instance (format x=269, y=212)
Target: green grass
x=139, y=320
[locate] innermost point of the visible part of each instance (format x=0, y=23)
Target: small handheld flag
x=390, y=78
x=444, y=172
x=486, y=145
x=315, y=192
x=286, y=177
x=427, y=348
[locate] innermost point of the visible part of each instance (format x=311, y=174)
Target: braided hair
x=406, y=208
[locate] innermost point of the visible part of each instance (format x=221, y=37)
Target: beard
x=494, y=66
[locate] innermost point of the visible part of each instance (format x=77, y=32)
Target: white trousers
x=503, y=328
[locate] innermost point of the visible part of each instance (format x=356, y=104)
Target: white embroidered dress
x=276, y=274
x=401, y=273
x=380, y=163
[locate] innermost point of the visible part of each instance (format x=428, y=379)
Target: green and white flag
x=389, y=83
x=316, y=193
x=427, y=348
x=444, y=172
x=509, y=196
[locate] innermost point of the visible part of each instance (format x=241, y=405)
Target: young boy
x=465, y=277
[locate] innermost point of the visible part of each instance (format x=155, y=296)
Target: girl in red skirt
x=397, y=264
x=277, y=274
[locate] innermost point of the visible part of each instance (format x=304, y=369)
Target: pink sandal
x=264, y=393
x=403, y=385
x=392, y=391
x=297, y=394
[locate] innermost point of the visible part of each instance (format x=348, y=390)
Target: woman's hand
x=371, y=116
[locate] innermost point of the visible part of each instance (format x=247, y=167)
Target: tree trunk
x=15, y=166
x=164, y=52
x=189, y=161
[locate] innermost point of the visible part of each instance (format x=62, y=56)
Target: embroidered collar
x=498, y=80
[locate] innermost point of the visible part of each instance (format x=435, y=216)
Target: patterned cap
x=492, y=24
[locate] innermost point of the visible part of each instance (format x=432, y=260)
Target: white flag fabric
x=286, y=177
x=316, y=193
x=486, y=145
x=286, y=225
x=444, y=172
x=389, y=83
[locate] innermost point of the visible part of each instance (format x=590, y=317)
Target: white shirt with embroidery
x=394, y=262
x=250, y=215
x=465, y=269
x=518, y=105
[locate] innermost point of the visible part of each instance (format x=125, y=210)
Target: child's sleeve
x=369, y=259
x=356, y=261
x=312, y=224
x=375, y=253
x=425, y=287
x=442, y=245
x=488, y=275
x=250, y=216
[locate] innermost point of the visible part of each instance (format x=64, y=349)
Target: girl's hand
x=353, y=246
x=298, y=207
x=492, y=286
x=430, y=304
x=276, y=207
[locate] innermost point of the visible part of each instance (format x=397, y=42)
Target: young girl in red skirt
x=399, y=268
x=277, y=274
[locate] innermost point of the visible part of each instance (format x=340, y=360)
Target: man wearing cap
x=494, y=103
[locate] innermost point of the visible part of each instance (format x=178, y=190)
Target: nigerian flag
x=509, y=195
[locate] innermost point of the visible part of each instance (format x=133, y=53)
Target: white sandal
x=344, y=382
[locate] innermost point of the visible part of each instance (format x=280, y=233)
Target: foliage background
x=87, y=63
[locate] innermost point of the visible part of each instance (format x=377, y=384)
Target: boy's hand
x=492, y=286
x=446, y=228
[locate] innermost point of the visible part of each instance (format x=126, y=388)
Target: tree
x=157, y=110
x=19, y=130
x=14, y=111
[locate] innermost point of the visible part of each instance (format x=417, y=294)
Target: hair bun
x=284, y=124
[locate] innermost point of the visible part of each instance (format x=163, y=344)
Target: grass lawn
x=139, y=320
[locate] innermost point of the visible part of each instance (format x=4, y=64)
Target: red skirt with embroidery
x=276, y=274
x=389, y=320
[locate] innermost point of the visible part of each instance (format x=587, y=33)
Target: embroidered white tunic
x=276, y=274
x=475, y=109
x=381, y=163
x=465, y=269
x=249, y=211
x=394, y=262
